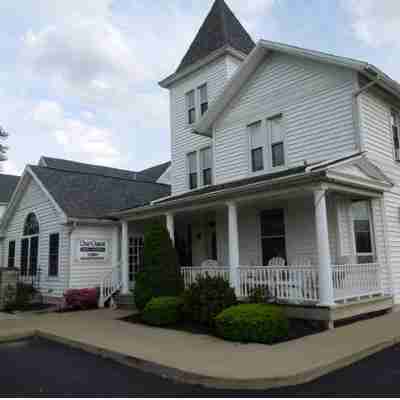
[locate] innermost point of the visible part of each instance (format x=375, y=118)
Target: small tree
x=161, y=273
x=3, y=148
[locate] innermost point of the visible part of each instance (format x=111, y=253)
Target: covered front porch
x=316, y=244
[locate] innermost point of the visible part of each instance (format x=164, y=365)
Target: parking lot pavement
x=42, y=368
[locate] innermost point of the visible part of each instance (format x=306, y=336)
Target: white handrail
x=110, y=284
x=190, y=274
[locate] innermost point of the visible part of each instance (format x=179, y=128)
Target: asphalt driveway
x=41, y=368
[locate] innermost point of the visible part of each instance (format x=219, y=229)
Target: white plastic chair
x=277, y=262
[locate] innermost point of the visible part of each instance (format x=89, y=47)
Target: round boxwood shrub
x=252, y=323
x=162, y=311
x=206, y=298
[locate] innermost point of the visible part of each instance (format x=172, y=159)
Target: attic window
x=31, y=226
x=395, y=122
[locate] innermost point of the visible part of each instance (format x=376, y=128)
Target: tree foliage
x=161, y=273
x=3, y=148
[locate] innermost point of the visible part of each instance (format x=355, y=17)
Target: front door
x=135, y=252
x=273, y=241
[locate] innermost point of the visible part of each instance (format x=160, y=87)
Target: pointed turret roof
x=221, y=28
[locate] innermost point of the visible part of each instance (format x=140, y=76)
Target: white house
x=284, y=173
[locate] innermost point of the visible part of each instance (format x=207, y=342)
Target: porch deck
x=296, y=284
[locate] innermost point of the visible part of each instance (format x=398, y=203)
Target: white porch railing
x=356, y=280
x=298, y=284
x=190, y=274
x=110, y=284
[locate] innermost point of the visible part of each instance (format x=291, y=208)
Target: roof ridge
x=100, y=175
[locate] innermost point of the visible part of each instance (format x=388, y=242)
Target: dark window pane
x=31, y=226
x=396, y=137
x=54, y=254
x=11, y=254
x=363, y=242
x=273, y=247
x=207, y=176
x=278, y=157
x=192, y=116
x=33, y=256
x=257, y=159
x=272, y=223
x=24, y=256
x=204, y=108
x=193, y=181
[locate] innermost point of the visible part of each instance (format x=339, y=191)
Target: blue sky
x=79, y=78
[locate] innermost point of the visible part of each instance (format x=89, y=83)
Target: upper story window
x=203, y=99
x=206, y=165
x=277, y=142
x=267, y=144
x=192, y=169
x=395, y=122
x=191, y=107
x=257, y=143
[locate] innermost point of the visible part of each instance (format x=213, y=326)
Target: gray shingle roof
x=8, y=183
x=155, y=172
x=91, y=195
x=221, y=28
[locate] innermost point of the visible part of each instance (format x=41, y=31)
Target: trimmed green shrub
x=19, y=298
x=162, y=311
x=206, y=298
x=161, y=274
x=252, y=323
x=260, y=295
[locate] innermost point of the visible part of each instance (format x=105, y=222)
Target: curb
x=216, y=382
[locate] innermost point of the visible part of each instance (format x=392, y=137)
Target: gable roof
x=81, y=194
x=150, y=174
x=155, y=172
x=263, y=48
x=220, y=28
x=8, y=183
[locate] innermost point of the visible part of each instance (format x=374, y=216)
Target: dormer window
x=191, y=107
x=203, y=99
x=395, y=122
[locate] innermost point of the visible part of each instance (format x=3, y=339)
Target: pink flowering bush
x=81, y=299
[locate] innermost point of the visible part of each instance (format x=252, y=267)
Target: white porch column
x=233, y=240
x=124, y=258
x=324, y=255
x=171, y=226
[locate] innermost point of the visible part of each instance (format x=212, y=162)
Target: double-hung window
x=11, y=254
x=257, y=144
x=395, y=122
x=191, y=107
x=192, y=169
x=361, y=214
x=206, y=165
x=54, y=250
x=203, y=99
x=277, y=141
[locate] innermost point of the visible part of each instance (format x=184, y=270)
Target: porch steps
x=125, y=301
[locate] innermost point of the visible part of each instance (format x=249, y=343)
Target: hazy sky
x=79, y=78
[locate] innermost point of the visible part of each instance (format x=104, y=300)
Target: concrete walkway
x=207, y=360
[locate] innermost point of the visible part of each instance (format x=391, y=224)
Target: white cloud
x=81, y=140
x=375, y=22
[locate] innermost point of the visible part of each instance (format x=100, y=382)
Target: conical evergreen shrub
x=161, y=272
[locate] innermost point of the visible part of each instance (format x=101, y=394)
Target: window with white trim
x=54, y=254
x=191, y=107
x=203, y=95
x=192, y=170
x=257, y=146
x=277, y=140
x=11, y=254
x=135, y=252
x=206, y=166
x=395, y=123
x=362, y=225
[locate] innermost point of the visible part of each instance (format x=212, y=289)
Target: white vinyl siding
x=35, y=200
x=183, y=140
x=316, y=101
x=377, y=136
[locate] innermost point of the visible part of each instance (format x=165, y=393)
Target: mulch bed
x=298, y=328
